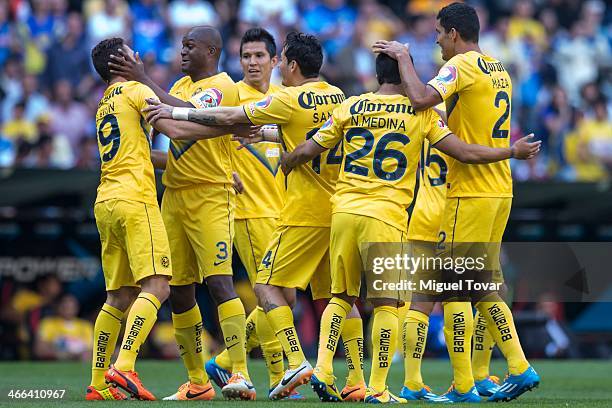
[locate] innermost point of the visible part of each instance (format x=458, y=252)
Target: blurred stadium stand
x=557, y=51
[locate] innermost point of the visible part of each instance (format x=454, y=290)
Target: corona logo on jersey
x=310, y=100
x=209, y=98
x=488, y=67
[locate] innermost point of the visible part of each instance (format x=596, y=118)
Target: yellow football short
x=358, y=243
x=252, y=236
x=296, y=257
x=200, y=225
x=134, y=242
x=480, y=222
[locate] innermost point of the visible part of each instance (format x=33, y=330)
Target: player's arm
x=129, y=66
x=265, y=133
x=304, y=153
x=421, y=95
x=159, y=158
x=224, y=115
x=183, y=130
x=522, y=149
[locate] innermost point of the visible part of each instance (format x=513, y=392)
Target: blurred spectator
x=68, y=117
x=149, y=29
x=556, y=338
x=87, y=154
x=19, y=128
x=110, y=19
x=523, y=25
x=332, y=21
x=6, y=33
x=595, y=137
x=185, y=14
x=64, y=336
x=68, y=57
x=36, y=103
x=422, y=41
x=267, y=12
x=10, y=82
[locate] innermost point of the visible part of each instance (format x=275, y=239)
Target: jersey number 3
x=112, y=138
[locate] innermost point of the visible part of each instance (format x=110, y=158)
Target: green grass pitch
x=571, y=384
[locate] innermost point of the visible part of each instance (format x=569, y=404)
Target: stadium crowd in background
x=557, y=51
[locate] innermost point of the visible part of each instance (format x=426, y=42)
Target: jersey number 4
x=332, y=157
x=113, y=138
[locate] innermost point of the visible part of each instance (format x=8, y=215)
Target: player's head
x=201, y=50
x=257, y=55
x=456, y=23
x=387, y=70
x=100, y=55
x=301, y=58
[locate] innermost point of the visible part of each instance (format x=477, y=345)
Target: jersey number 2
x=113, y=137
x=497, y=132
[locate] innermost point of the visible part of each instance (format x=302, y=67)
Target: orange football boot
x=128, y=381
x=193, y=392
x=108, y=393
x=354, y=394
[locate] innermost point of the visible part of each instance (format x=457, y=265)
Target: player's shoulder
x=332, y=89
x=181, y=82
x=274, y=88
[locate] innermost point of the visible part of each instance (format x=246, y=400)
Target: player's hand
x=238, y=185
x=252, y=134
x=127, y=65
x=157, y=110
x=393, y=49
x=524, y=148
x=283, y=162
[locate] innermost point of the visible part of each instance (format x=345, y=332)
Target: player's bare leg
x=106, y=332
x=280, y=318
x=143, y=314
x=232, y=319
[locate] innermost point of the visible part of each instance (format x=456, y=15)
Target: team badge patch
x=328, y=123
x=209, y=98
x=447, y=74
x=264, y=103
x=165, y=262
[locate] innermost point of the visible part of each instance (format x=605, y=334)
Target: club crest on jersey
x=209, y=98
x=447, y=74
x=328, y=123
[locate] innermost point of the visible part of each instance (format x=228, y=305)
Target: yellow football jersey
x=258, y=166
x=477, y=91
x=431, y=196
x=125, y=147
x=299, y=112
x=204, y=161
x=382, y=138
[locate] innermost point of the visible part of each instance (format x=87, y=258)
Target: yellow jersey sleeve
x=435, y=128
x=277, y=108
x=139, y=97
x=331, y=132
x=453, y=77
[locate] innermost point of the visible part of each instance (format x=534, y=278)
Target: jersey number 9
x=114, y=136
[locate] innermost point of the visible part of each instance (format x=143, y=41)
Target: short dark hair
x=387, y=70
x=462, y=18
x=305, y=49
x=259, y=34
x=100, y=55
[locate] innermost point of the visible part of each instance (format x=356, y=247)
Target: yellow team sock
x=332, y=322
x=385, y=330
x=232, y=319
x=482, y=348
x=223, y=359
x=501, y=325
x=458, y=329
x=252, y=340
x=401, y=317
x=106, y=332
x=281, y=321
x=414, y=336
x=138, y=325
x=352, y=337
x=188, y=333
x=270, y=348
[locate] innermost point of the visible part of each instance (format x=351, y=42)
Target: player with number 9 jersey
x=133, y=236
